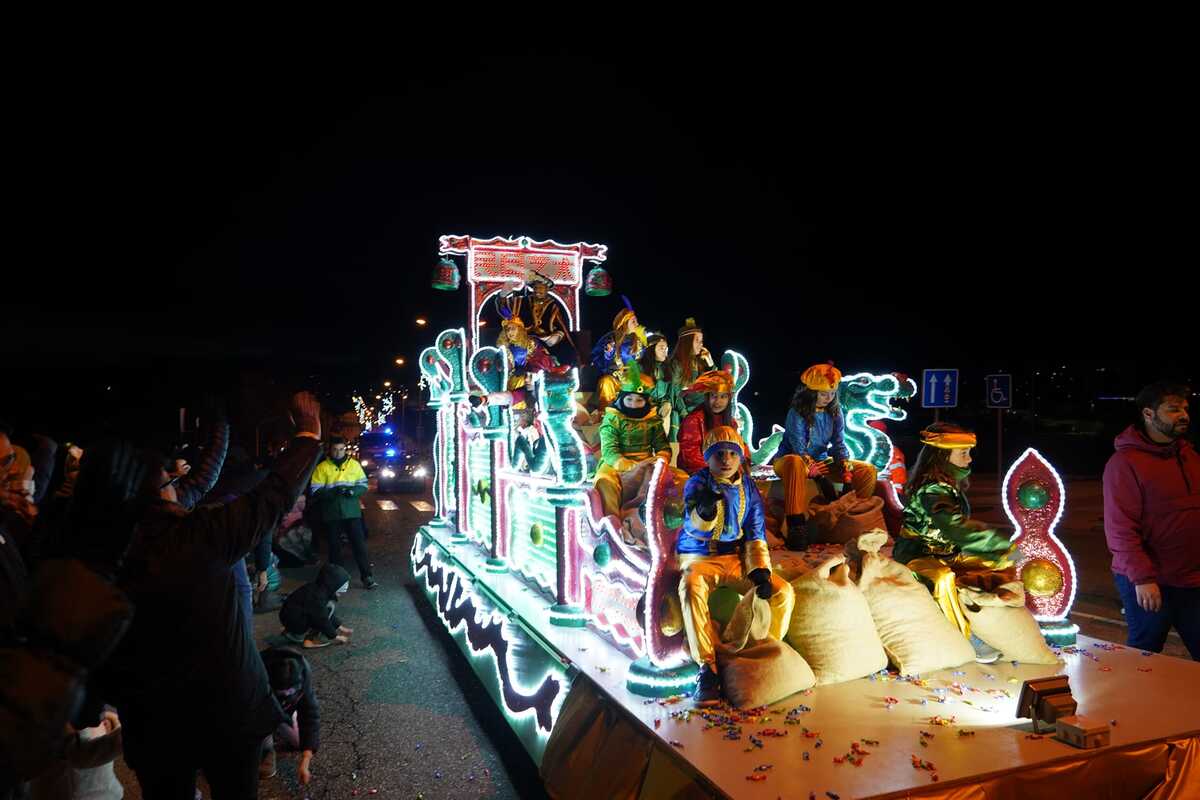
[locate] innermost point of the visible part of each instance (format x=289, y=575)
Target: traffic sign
x=939, y=388
x=999, y=391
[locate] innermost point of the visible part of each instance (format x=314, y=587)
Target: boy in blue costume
x=723, y=541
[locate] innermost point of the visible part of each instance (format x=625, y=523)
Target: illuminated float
x=546, y=598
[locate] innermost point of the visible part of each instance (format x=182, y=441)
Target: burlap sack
x=832, y=627
x=1007, y=625
x=916, y=635
x=845, y=518
x=755, y=669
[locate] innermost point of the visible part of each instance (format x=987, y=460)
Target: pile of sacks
x=855, y=614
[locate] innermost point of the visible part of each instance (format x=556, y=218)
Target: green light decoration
x=865, y=398
x=646, y=680
x=556, y=396
x=673, y=514
x=537, y=534
x=489, y=372
x=433, y=376
x=451, y=346
x=738, y=368
x=1033, y=495
x=602, y=555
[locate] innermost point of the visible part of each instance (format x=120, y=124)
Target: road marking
x=420, y=505
x=1120, y=622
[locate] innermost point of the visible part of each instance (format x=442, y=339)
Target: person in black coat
x=291, y=683
x=189, y=643
x=311, y=610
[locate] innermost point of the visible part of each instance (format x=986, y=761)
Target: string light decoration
x=1034, y=500
x=865, y=398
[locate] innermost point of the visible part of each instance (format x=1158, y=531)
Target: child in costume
x=813, y=454
x=723, y=541
x=690, y=357
x=608, y=386
x=655, y=363
x=939, y=542
x=631, y=438
x=524, y=354
x=605, y=355
x=716, y=387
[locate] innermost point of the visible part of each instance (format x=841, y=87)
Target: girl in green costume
x=665, y=394
x=940, y=542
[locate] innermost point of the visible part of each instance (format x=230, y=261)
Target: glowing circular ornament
x=536, y=534
x=673, y=514
x=1033, y=495
x=445, y=275
x=1042, y=577
x=602, y=555
x=670, y=616
x=599, y=283
x=721, y=604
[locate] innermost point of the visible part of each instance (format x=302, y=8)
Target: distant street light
x=421, y=321
x=399, y=362
x=387, y=384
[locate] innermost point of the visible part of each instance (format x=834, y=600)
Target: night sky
x=196, y=218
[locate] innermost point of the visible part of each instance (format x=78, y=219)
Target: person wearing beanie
x=631, y=438
x=813, y=456
x=723, y=541
x=716, y=387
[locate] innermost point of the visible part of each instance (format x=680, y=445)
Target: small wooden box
x=1082, y=732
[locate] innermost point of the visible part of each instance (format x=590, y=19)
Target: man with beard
x=1152, y=520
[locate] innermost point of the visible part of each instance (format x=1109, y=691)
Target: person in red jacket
x=1152, y=520
x=717, y=409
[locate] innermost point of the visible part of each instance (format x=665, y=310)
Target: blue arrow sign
x=999, y=391
x=939, y=388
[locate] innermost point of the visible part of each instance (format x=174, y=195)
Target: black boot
x=708, y=688
x=797, y=533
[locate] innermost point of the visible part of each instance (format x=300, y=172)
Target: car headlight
x=387, y=473
x=419, y=472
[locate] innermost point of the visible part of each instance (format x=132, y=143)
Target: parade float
x=565, y=619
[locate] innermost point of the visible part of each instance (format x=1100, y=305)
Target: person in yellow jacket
x=337, y=483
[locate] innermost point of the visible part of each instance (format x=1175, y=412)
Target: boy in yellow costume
x=723, y=541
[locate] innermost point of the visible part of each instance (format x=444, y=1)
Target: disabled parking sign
x=999, y=391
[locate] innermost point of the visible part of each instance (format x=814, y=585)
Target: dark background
x=198, y=225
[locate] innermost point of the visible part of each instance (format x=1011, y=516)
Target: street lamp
x=387, y=384
x=399, y=362
x=421, y=321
